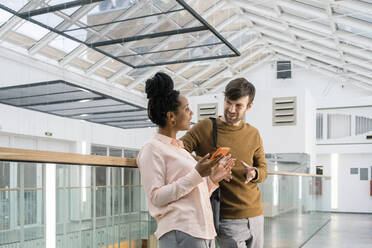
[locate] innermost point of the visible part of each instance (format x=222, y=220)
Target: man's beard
x=233, y=120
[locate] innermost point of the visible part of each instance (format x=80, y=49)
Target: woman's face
x=184, y=114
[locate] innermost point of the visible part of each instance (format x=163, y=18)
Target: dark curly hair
x=162, y=98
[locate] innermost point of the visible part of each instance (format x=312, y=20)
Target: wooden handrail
x=295, y=174
x=25, y=155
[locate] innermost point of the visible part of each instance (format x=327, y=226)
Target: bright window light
x=50, y=205
x=32, y=30
x=300, y=187
x=84, y=174
x=64, y=44
x=4, y=16
x=334, y=180
x=275, y=187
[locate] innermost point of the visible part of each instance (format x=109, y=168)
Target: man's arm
x=259, y=163
x=191, y=140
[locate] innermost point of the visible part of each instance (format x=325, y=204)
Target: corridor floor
x=344, y=231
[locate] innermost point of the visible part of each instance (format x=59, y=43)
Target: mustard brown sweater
x=238, y=200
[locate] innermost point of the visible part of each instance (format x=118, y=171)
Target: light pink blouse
x=178, y=197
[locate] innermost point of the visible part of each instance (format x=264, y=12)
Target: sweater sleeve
x=153, y=176
x=191, y=140
x=259, y=162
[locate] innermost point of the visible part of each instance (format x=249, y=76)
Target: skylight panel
x=14, y=4
x=4, y=16
x=48, y=19
x=64, y=44
x=32, y=30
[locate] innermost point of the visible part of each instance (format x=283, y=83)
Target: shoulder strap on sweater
x=214, y=123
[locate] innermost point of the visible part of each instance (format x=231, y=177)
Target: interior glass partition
x=96, y=206
x=105, y=206
x=295, y=208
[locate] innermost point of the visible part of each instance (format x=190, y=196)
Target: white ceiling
x=327, y=36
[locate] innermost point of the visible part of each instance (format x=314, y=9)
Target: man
x=241, y=213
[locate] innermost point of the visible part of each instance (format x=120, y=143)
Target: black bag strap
x=216, y=195
x=214, y=123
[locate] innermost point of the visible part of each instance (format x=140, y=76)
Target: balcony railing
x=51, y=199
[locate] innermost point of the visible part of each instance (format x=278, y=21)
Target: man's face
x=234, y=110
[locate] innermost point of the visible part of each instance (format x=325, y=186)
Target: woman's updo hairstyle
x=162, y=98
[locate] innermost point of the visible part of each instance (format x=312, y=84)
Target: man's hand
x=250, y=172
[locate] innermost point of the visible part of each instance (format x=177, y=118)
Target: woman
x=177, y=186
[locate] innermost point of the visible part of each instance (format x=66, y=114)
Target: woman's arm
x=153, y=176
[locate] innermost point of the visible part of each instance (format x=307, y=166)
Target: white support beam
x=212, y=65
x=68, y=22
x=181, y=53
x=15, y=20
x=205, y=15
x=82, y=48
x=241, y=74
x=329, y=68
x=126, y=47
x=236, y=64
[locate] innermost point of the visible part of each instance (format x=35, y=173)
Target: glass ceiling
x=100, y=38
x=68, y=100
x=132, y=32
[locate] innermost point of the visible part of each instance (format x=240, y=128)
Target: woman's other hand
x=223, y=170
x=204, y=165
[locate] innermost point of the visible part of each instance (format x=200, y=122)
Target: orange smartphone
x=221, y=150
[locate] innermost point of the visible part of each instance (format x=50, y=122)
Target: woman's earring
x=173, y=123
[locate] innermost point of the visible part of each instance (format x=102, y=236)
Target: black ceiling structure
x=69, y=100
x=132, y=40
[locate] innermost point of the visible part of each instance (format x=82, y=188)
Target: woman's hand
x=204, y=165
x=223, y=169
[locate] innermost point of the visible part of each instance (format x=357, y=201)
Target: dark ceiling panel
x=68, y=100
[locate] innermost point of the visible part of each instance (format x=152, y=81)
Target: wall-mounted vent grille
x=207, y=110
x=319, y=126
x=284, y=111
x=362, y=125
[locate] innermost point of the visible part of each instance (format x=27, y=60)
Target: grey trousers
x=178, y=239
x=241, y=233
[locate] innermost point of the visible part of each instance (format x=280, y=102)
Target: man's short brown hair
x=238, y=88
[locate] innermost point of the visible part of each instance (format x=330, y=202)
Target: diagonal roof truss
x=330, y=37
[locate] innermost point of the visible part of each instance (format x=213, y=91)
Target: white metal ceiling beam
x=326, y=59
x=207, y=13
x=308, y=35
x=221, y=86
x=82, y=48
x=355, y=6
x=149, y=29
x=121, y=47
x=181, y=53
x=15, y=20
x=236, y=64
x=212, y=65
x=319, y=50
x=329, y=67
x=68, y=21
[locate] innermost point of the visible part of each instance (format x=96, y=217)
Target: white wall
x=22, y=128
x=277, y=139
x=322, y=88
x=353, y=193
